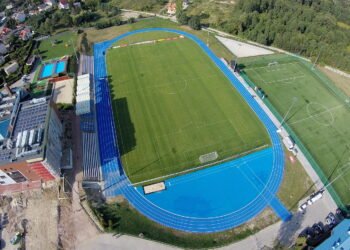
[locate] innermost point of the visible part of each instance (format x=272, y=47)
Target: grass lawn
x=172, y=105
x=340, y=81
x=296, y=183
x=47, y=51
x=320, y=117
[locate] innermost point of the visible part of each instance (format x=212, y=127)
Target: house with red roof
x=63, y=4
x=25, y=34
x=171, y=8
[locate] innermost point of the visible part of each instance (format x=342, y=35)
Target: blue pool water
x=60, y=66
x=218, y=190
x=3, y=128
x=47, y=70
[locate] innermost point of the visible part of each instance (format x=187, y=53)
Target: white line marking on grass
x=319, y=114
x=258, y=74
x=286, y=80
x=178, y=91
x=267, y=67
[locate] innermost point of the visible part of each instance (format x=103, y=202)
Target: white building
x=11, y=68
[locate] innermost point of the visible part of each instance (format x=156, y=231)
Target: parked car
x=317, y=229
x=302, y=207
x=330, y=219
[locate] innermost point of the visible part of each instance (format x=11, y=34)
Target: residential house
x=3, y=49
x=19, y=17
x=33, y=12
x=171, y=7
x=31, y=60
x=11, y=68
x=5, y=31
x=63, y=4
x=185, y=4
x=44, y=7
x=50, y=2
x=9, y=6
x=25, y=34
x=76, y=4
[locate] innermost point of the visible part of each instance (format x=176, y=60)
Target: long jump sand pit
x=241, y=49
x=63, y=92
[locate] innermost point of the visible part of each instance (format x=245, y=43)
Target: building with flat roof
x=339, y=239
x=32, y=149
x=11, y=68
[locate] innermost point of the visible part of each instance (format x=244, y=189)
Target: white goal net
x=208, y=157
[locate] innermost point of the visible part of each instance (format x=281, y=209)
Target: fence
x=300, y=144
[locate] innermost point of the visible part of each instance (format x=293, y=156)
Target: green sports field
x=172, y=104
x=320, y=115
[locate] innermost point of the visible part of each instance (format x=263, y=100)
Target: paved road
x=20, y=83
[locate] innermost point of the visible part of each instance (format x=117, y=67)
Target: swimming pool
x=47, y=70
x=60, y=67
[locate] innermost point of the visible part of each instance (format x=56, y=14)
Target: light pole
x=313, y=66
x=294, y=100
x=208, y=39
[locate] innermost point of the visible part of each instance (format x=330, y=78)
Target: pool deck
x=116, y=182
x=55, y=69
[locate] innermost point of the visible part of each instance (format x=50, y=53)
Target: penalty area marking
x=202, y=166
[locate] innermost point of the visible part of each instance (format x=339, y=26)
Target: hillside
x=311, y=28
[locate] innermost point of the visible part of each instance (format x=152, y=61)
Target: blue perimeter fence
x=117, y=183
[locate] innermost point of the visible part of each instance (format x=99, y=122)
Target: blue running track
x=116, y=182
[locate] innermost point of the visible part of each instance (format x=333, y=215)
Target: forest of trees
x=310, y=28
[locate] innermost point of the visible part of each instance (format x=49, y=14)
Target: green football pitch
x=172, y=104
x=319, y=114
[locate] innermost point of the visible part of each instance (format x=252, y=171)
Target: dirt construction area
x=33, y=213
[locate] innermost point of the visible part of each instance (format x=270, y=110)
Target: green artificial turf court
x=320, y=115
x=172, y=104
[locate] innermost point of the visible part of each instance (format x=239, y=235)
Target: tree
x=182, y=19
x=131, y=20
x=91, y=4
x=194, y=23
x=11, y=39
x=11, y=23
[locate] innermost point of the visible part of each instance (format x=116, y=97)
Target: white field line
x=316, y=115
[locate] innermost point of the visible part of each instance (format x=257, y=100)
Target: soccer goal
x=272, y=63
x=208, y=157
